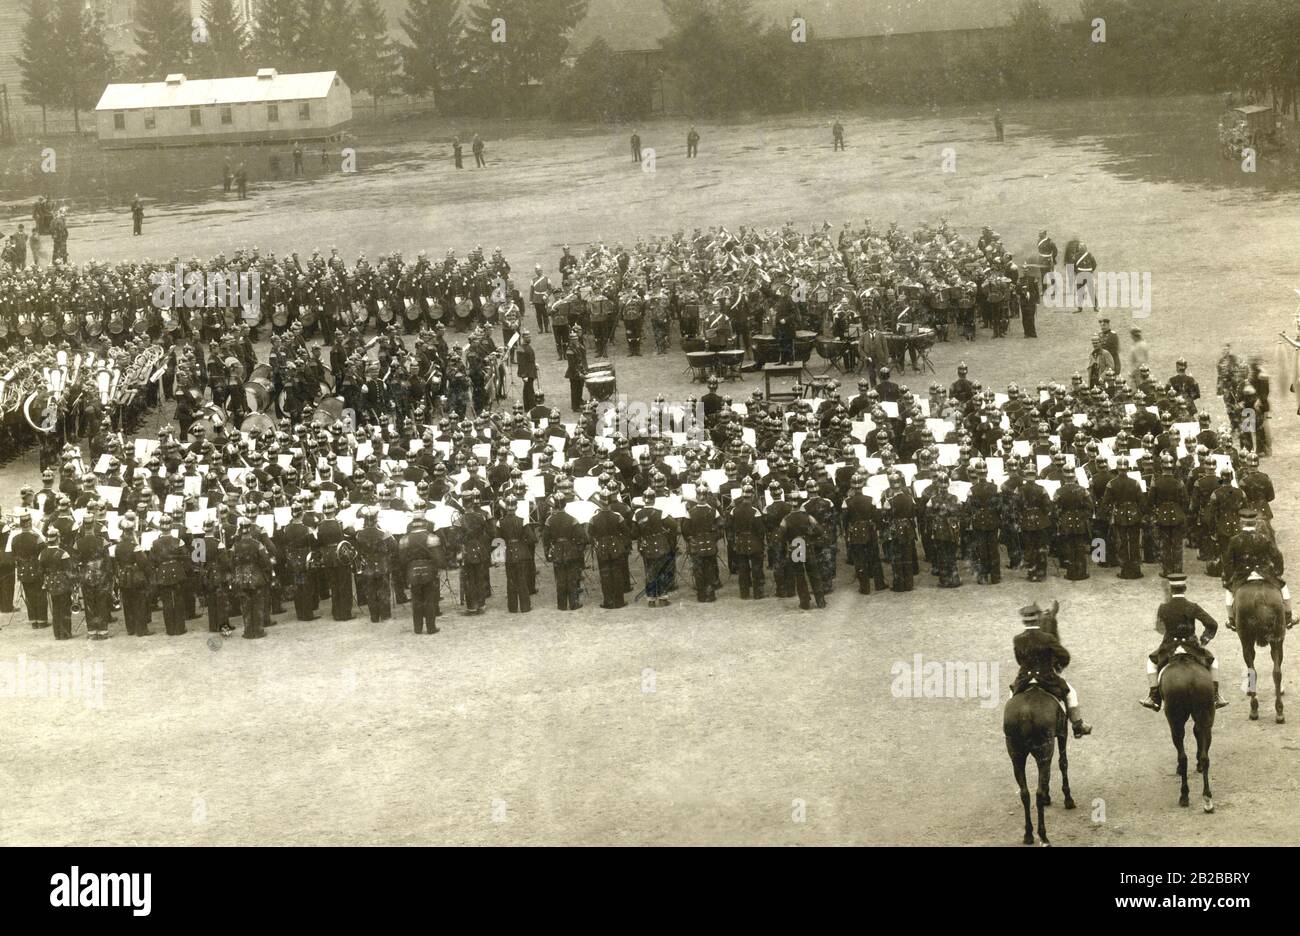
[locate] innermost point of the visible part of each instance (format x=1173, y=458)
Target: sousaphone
x=41, y=411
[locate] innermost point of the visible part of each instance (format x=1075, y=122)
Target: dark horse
x=1188, y=691
x=1031, y=721
x=1260, y=621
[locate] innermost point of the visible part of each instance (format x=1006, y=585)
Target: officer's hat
x=1031, y=613
x=25, y=520
x=1248, y=518
x=1177, y=581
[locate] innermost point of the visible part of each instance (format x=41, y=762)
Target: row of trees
x=500, y=56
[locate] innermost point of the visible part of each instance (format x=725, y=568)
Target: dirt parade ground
x=740, y=723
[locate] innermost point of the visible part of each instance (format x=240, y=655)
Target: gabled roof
x=193, y=92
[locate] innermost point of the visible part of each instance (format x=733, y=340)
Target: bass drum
x=386, y=313
x=328, y=412
x=360, y=314
x=464, y=307
x=207, y=419
x=257, y=422
x=94, y=327
x=413, y=311
x=307, y=315
x=49, y=328
x=280, y=318
x=71, y=325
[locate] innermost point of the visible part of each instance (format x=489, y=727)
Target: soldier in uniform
x=423, y=556
x=984, y=512
x=1250, y=552
x=701, y=531
x=657, y=544
x=216, y=574
x=1176, y=619
x=375, y=550
x=1123, y=504
x=861, y=522
x=1074, y=509
x=565, y=543
x=1167, y=501
x=134, y=575
x=799, y=535
x=172, y=562
x=1225, y=507
x=1041, y=658
x=610, y=542
x=253, y=567
x=899, y=508
x=822, y=509
x=26, y=546
x=1033, y=510
x=59, y=578
x=575, y=370
x=944, y=513
x=747, y=534
x=475, y=531
x=520, y=538
x=297, y=545
x=777, y=560
x=334, y=543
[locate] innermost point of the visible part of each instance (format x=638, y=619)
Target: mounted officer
x=1176, y=618
x=1042, y=658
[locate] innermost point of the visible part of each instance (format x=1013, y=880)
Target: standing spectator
x=61, y=236
x=20, y=248
x=458, y=152
x=479, y=161
x=837, y=135
x=997, y=123
x=227, y=176
x=137, y=216
x=636, y=147
x=297, y=158
x=1139, y=354
x=241, y=180
x=34, y=242
x=692, y=143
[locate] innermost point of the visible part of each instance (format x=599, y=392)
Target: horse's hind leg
x=1043, y=757
x=1065, y=773
x=1018, y=759
x=1277, y=680
x=1204, y=735
x=1252, y=678
x=1179, y=731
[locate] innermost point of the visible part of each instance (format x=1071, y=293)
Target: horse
x=1030, y=721
x=1259, y=618
x=1188, y=691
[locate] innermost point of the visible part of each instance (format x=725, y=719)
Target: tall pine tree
x=313, y=40
x=164, y=38
x=275, y=36
x=378, y=61
x=431, y=60
x=510, y=43
x=86, y=61
x=224, y=51
x=341, y=39
x=39, y=59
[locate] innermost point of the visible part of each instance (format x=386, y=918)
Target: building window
x=149, y=121
x=196, y=117
x=119, y=121
x=227, y=114
x=304, y=110
x=273, y=113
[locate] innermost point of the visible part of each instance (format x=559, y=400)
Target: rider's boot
x=1081, y=728
x=1219, y=701
x=1153, y=700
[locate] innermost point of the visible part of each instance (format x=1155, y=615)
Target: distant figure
x=324, y=156
x=837, y=135
x=297, y=159
x=60, y=232
x=997, y=122
x=458, y=153
x=692, y=143
x=636, y=147
x=241, y=180
x=479, y=161
x=34, y=242
x=227, y=177
x=137, y=216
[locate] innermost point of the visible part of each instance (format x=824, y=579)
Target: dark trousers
x=749, y=569
x=1170, y=539
x=575, y=394
x=866, y=566
x=218, y=599
x=7, y=582
x=543, y=316
x=340, y=593
x=1034, y=544
x=61, y=615
x=1128, y=548
x=945, y=563
x=806, y=576
x=253, y=606
x=98, y=603
x=611, y=584
x=424, y=605
x=135, y=610
x=34, y=596
x=657, y=575
x=473, y=584
x=988, y=558
x=517, y=589
x=173, y=606
x=1074, y=550
x=704, y=570
x=568, y=582
x=378, y=597
x=304, y=597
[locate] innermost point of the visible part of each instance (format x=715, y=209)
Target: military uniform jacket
x=861, y=518
x=1249, y=552
x=700, y=530
x=475, y=529
x=1167, y=498
x=564, y=538
x=171, y=560
x=1037, y=651
x=26, y=546
x=1225, y=509
x=775, y=513
x=656, y=534
x=984, y=506
x=822, y=510
x=945, y=514
x=252, y=564
x=423, y=556
x=297, y=544
x=1177, y=618
x=328, y=536
x=1033, y=507
x=1259, y=491
x=799, y=526
x=748, y=529
x=609, y=534
x=1074, y=510
x=520, y=538
x=1123, y=501
x=58, y=570
x=375, y=550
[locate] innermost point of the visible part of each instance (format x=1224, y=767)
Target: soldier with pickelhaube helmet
x=135, y=575
x=253, y=569
x=375, y=551
x=423, y=556
x=336, y=552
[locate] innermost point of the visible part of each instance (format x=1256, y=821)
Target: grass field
x=742, y=723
